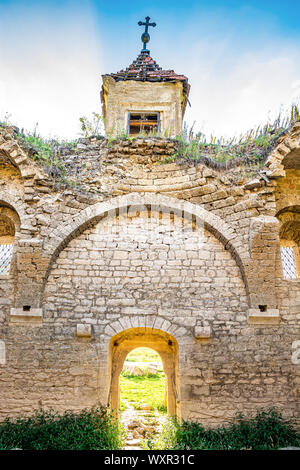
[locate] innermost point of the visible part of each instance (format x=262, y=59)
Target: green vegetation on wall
x=249, y=150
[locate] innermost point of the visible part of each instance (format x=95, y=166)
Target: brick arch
x=289, y=219
x=11, y=213
x=288, y=204
x=59, y=238
x=16, y=155
x=290, y=230
x=148, y=322
x=16, y=211
x=288, y=145
x=7, y=226
x=164, y=343
x=11, y=232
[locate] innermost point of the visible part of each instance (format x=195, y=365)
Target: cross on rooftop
x=146, y=36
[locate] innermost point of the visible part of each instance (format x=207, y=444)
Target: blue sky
x=242, y=58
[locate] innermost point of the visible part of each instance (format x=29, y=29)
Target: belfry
x=144, y=98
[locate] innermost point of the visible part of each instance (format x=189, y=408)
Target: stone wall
x=122, y=97
x=129, y=242
x=133, y=265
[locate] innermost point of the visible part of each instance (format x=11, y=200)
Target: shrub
x=91, y=126
x=41, y=150
x=94, y=429
x=250, y=149
x=268, y=430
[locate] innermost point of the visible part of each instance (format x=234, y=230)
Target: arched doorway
x=9, y=228
x=161, y=342
x=143, y=384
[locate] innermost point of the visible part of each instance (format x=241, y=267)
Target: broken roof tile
x=144, y=68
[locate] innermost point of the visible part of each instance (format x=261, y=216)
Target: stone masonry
x=178, y=255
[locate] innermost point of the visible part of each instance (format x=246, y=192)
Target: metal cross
x=146, y=36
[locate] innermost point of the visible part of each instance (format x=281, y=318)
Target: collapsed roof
x=145, y=68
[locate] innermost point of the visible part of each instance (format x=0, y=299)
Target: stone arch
x=9, y=230
x=289, y=203
x=146, y=322
x=286, y=154
x=163, y=343
x=289, y=216
x=16, y=209
x=289, y=233
x=11, y=214
x=290, y=226
x=74, y=226
x=16, y=155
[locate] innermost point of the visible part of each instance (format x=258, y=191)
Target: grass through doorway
x=143, y=405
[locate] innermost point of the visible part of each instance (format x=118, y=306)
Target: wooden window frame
x=155, y=123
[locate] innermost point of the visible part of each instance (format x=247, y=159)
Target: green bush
x=127, y=374
x=250, y=148
x=268, y=430
x=41, y=150
x=94, y=429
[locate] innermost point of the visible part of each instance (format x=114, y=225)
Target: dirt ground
x=141, y=426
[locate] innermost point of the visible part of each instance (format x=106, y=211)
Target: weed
x=268, y=430
x=250, y=149
x=167, y=439
x=122, y=405
x=91, y=126
x=94, y=429
x=41, y=150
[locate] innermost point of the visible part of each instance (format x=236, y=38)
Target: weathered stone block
x=84, y=330
x=26, y=315
x=263, y=317
x=202, y=332
x=2, y=353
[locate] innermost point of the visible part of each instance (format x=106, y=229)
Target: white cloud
x=50, y=71
x=51, y=66
x=255, y=87
x=296, y=91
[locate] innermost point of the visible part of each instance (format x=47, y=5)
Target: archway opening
x=143, y=395
x=7, y=235
x=290, y=242
x=159, y=348
x=143, y=382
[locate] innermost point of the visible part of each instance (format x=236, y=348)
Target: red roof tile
x=144, y=68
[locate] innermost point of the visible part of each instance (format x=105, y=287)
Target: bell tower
x=144, y=98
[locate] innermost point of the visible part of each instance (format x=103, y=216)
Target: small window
x=7, y=235
x=6, y=251
x=139, y=123
x=288, y=263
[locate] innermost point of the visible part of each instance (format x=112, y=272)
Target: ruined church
x=137, y=249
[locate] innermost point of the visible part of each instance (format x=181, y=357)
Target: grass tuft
x=268, y=430
x=143, y=390
x=94, y=429
x=249, y=149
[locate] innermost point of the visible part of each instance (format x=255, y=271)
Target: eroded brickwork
x=120, y=267
x=133, y=242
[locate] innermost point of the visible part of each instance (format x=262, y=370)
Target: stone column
x=264, y=249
